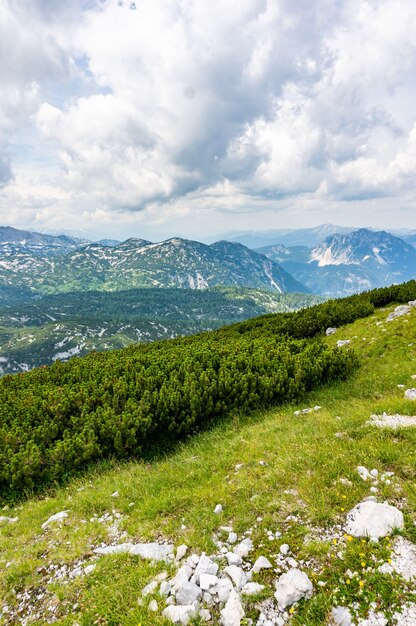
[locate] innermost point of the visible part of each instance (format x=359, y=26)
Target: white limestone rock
x=399, y=311
x=205, y=566
x=180, y=614
x=237, y=575
x=8, y=520
x=410, y=394
x=121, y=548
x=187, y=593
x=233, y=612
x=58, y=517
x=218, y=509
x=363, y=472
x=373, y=519
x=243, y=548
x=222, y=589
x=292, y=587
x=261, y=563
x=252, y=589
x=343, y=342
x=341, y=616
x=152, y=551
x=153, y=606
x=183, y=574
x=233, y=559
x=181, y=552
x=206, y=581
x=284, y=549
x=330, y=331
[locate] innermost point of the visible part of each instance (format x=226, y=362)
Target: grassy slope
x=303, y=453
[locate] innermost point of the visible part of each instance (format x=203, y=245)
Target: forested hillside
x=61, y=326
x=55, y=420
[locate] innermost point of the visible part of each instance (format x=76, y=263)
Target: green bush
x=54, y=420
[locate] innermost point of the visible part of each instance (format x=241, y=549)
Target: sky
x=160, y=118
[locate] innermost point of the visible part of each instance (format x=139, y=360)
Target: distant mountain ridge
x=46, y=267
x=348, y=263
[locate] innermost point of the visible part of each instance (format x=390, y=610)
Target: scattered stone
x=205, y=566
x=261, y=563
x=392, y=421
x=403, y=559
x=115, y=494
x=237, y=575
x=188, y=593
x=284, y=549
x=252, y=589
x=243, y=548
x=153, y=606
x=373, y=519
x=233, y=612
x=341, y=616
x=150, y=588
x=180, y=552
x=410, y=394
x=205, y=615
x=233, y=559
x=151, y=551
x=406, y=616
x=90, y=568
x=363, y=472
x=343, y=342
x=55, y=518
x=330, y=331
x=232, y=538
x=218, y=509
x=292, y=587
x=399, y=311
x=179, y=614
x=8, y=520
x=206, y=581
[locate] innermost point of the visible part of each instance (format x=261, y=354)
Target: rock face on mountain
x=139, y=263
x=348, y=263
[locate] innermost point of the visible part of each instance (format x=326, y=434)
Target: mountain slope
x=66, y=325
x=281, y=479
x=138, y=263
x=349, y=263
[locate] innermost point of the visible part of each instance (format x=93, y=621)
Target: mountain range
x=348, y=263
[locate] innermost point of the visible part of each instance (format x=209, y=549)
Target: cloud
x=183, y=107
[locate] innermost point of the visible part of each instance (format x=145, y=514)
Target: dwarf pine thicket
x=55, y=420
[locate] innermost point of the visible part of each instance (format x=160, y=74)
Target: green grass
x=174, y=497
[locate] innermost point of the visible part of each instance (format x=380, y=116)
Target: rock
x=165, y=588
x=222, y=589
x=406, y=616
x=392, y=421
x=8, y=520
x=206, y=581
x=403, y=558
x=284, y=549
x=205, y=615
x=410, y=394
x=261, y=563
x=180, y=552
x=205, y=566
x=90, y=568
x=233, y=559
x=343, y=342
x=341, y=616
x=252, y=589
x=152, y=551
x=292, y=587
x=237, y=575
x=243, y=548
x=363, y=472
x=373, y=519
x=179, y=614
x=399, y=311
x=187, y=593
x=153, y=606
x=115, y=494
x=183, y=574
x=218, y=509
x=233, y=612
x=330, y=331
x=150, y=588
x=121, y=548
x=55, y=518
x=374, y=619
x=232, y=538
